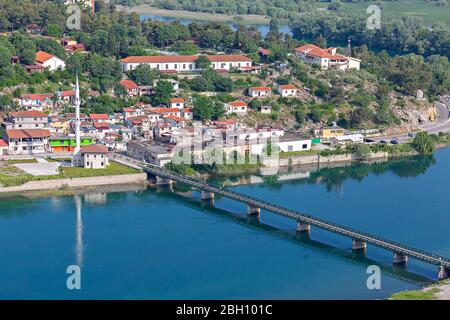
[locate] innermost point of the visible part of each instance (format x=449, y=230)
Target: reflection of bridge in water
x=304, y=221
x=300, y=239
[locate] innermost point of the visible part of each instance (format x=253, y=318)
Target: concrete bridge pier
x=400, y=258
x=205, y=195
x=443, y=273
x=163, y=181
x=253, y=211
x=303, y=227
x=359, y=245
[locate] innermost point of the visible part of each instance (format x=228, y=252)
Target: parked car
x=394, y=141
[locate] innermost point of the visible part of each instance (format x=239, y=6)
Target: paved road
x=442, y=123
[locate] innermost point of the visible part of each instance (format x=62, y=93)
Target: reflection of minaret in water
x=79, y=230
x=77, y=116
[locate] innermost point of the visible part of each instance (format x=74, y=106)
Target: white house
x=94, y=156
x=174, y=64
x=49, y=61
x=187, y=113
x=326, y=58
x=287, y=90
x=259, y=91
x=292, y=142
x=27, y=141
x=26, y=120
x=177, y=103
x=36, y=101
x=238, y=107
x=347, y=139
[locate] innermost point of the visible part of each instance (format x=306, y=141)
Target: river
x=262, y=28
x=158, y=244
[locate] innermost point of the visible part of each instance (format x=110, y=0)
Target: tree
x=185, y=48
x=202, y=62
x=143, y=75
x=162, y=93
x=120, y=90
x=423, y=143
x=362, y=151
x=207, y=108
x=28, y=57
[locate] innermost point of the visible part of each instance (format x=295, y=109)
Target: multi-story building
x=27, y=141
x=94, y=156
x=68, y=144
x=36, y=101
x=131, y=87
x=326, y=58
x=26, y=120
x=174, y=64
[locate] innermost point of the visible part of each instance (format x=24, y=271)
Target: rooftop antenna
x=77, y=116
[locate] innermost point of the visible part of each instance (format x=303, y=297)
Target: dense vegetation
x=352, y=99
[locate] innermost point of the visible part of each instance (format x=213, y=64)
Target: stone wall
x=317, y=159
x=77, y=182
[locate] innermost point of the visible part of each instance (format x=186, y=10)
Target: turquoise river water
x=157, y=244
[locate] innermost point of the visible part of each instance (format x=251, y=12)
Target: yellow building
x=330, y=132
x=59, y=126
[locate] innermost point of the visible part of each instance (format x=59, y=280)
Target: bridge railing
x=306, y=218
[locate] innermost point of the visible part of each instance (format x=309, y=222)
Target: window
x=175, y=66
x=290, y=148
x=167, y=66
x=304, y=146
x=184, y=65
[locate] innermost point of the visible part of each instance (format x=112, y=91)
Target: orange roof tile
x=288, y=87
x=129, y=84
x=95, y=148
x=260, y=88
x=164, y=110
x=177, y=100
x=238, y=104
x=99, y=116
x=28, y=114
x=315, y=51
x=42, y=56
x=27, y=133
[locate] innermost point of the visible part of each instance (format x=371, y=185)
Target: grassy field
x=298, y=153
x=416, y=8
x=12, y=176
x=415, y=295
x=184, y=14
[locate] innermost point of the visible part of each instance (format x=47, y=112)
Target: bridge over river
x=304, y=221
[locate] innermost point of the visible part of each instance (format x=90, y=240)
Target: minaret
x=77, y=116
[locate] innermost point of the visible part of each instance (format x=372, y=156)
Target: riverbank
x=69, y=183
x=437, y=291
x=201, y=16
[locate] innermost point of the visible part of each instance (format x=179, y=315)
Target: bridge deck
x=298, y=216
